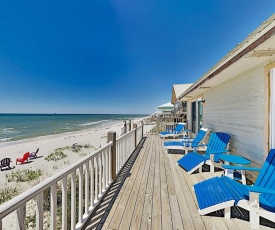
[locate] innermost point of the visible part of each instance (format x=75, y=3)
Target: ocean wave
x=93, y=123
x=5, y=129
x=5, y=139
x=10, y=132
x=66, y=128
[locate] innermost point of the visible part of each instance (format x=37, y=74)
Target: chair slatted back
x=179, y=128
x=26, y=156
x=266, y=177
x=5, y=162
x=201, y=134
x=218, y=141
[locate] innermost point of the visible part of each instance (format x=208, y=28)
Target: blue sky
x=113, y=56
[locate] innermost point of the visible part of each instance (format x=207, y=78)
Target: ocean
x=23, y=126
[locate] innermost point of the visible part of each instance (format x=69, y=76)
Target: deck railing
x=157, y=127
x=88, y=180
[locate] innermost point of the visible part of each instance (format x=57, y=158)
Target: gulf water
x=23, y=126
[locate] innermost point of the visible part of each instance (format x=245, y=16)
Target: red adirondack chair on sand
x=24, y=158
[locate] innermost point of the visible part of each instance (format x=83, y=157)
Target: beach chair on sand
x=34, y=154
x=187, y=143
x=216, y=145
x=179, y=130
x=5, y=163
x=223, y=192
x=24, y=158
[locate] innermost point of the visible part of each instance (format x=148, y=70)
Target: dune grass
x=7, y=193
x=23, y=175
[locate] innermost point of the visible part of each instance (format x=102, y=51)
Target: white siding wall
x=237, y=108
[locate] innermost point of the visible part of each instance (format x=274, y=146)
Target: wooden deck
x=158, y=194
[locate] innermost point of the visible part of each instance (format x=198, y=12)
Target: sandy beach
x=94, y=138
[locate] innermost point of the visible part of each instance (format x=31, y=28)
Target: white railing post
x=125, y=127
x=113, y=154
x=130, y=125
x=53, y=206
x=135, y=128
x=64, y=202
x=39, y=211
x=20, y=216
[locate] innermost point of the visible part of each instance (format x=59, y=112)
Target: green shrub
x=30, y=222
x=56, y=156
x=87, y=146
x=23, y=175
x=76, y=147
x=7, y=193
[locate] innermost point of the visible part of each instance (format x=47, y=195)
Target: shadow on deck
x=100, y=213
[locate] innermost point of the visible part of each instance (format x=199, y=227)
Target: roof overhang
x=177, y=90
x=257, y=49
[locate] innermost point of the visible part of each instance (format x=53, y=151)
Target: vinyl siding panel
x=237, y=108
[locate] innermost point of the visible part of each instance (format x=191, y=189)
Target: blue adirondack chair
x=187, y=144
x=223, y=192
x=174, y=133
x=216, y=145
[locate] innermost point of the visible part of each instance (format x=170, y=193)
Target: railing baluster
x=107, y=167
x=103, y=170
x=73, y=199
x=53, y=206
x=86, y=188
x=123, y=153
x=20, y=216
x=39, y=211
x=100, y=174
x=92, y=192
x=80, y=196
x=118, y=156
x=96, y=179
x=64, y=202
x=110, y=166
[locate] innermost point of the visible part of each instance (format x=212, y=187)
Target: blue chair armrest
x=237, y=167
x=259, y=189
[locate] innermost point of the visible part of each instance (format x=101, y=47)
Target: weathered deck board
x=158, y=194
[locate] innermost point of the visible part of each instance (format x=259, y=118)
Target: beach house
x=237, y=95
x=180, y=105
x=166, y=108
